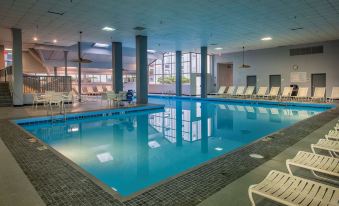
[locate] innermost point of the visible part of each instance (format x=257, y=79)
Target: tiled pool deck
x=59, y=183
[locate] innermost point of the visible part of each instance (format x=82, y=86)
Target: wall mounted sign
x=298, y=77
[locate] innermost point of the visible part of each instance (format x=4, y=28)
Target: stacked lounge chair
x=289, y=189
x=273, y=93
x=230, y=91
x=261, y=92
x=221, y=91
x=319, y=94
x=248, y=92
x=286, y=94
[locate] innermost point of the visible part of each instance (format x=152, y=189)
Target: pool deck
x=38, y=177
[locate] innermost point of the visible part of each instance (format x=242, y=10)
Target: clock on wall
x=295, y=67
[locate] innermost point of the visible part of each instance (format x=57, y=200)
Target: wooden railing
x=41, y=84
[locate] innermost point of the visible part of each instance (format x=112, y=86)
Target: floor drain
x=257, y=156
x=42, y=148
x=32, y=140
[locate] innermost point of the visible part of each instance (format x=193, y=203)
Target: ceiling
x=174, y=24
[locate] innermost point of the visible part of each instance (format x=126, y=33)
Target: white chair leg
x=250, y=195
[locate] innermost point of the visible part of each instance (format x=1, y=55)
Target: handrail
x=41, y=84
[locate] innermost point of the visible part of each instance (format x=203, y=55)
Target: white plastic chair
x=319, y=93
x=249, y=91
x=230, y=91
x=302, y=94
x=38, y=100
x=332, y=134
x=286, y=94
x=273, y=93
x=328, y=166
x=240, y=91
x=328, y=145
x=221, y=91
x=334, y=94
x=261, y=92
x=292, y=191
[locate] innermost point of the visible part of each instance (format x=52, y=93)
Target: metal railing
x=41, y=84
x=6, y=74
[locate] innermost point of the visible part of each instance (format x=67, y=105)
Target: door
x=251, y=80
x=317, y=80
x=275, y=81
x=225, y=74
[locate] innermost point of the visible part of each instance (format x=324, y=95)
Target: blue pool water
x=130, y=152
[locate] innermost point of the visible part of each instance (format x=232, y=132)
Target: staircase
x=5, y=95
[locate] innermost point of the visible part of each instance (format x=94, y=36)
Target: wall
x=30, y=64
x=265, y=62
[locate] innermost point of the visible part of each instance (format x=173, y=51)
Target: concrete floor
x=236, y=193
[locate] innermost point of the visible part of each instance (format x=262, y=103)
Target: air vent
x=139, y=28
x=307, y=50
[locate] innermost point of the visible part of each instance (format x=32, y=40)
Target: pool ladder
x=62, y=110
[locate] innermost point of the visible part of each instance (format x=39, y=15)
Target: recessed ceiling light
x=151, y=51
x=55, y=41
x=106, y=28
x=8, y=49
x=100, y=45
x=35, y=38
x=266, y=38
x=218, y=48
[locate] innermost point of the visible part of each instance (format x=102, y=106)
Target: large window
x=163, y=71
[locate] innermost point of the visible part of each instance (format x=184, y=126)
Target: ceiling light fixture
x=8, y=49
x=244, y=66
x=151, y=51
x=35, y=38
x=101, y=45
x=218, y=48
x=106, y=28
x=55, y=41
x=268, y=38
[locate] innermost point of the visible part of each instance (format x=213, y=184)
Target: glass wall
x=162, y=71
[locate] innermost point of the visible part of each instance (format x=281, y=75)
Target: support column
x=204, y=127
x=17, y=73
x=66, y=59
x=141, y=69
x=79, y=70
x=55, y=71
x=2, y=56
x=117, y=67
x=203, y=58
x=178, y=87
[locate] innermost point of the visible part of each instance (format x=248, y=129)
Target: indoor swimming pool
x=132, y=151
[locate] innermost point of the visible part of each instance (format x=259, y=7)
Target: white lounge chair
x=240, y=91
x=286, y=94
x=221, y=91
x=328, y=145
x=302, y=94
x=292, y=191
x=261, y=92
x=319, y=94
x=317, y=164
x=249, y=92
x=332, y=135
x=230, y=91
x=273, y=93
x=334, y=94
